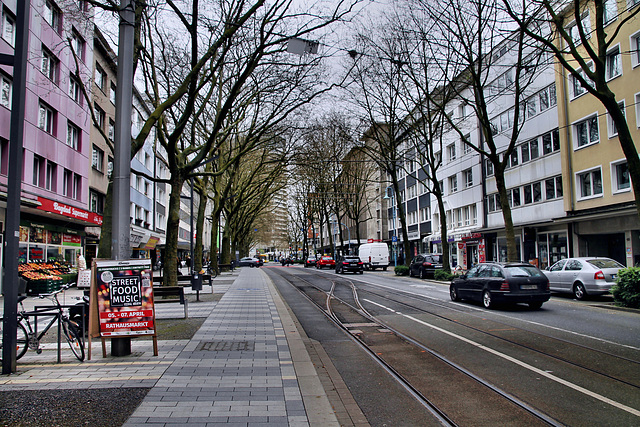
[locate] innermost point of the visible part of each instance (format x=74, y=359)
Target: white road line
x=520, y=363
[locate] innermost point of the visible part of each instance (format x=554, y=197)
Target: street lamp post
x=393, y=216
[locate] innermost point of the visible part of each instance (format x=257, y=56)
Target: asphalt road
x=571, y=363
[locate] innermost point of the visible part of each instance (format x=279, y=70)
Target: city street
x=467, y=364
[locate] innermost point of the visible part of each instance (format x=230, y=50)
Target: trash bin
x=196, y=282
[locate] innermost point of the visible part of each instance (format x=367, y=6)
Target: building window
x=532, y=193
x=66, y=182
x=425, y=214
x=466, y=141
x=75, y=92
x=635, y=49
x=589, y=183
x=514, y=197
x=112, y=94
x=513, y=160
x=46, y=118
x=574, y=32
x=111, y=133
x=453, y=183
x=614, y=67
x=488, y=167
x=586, y=132
x=468, y=178
x=73, y=136
x=611, y=126
x=100, y=77
x=38, y=171
x=77, y=44
x=551, y=142
x=529, y=150
x=4, y=156
x=97, y=159
x=610, y=10
x=96, y=202
x=52, y=15
x=50, y=176
x=451, y=151
x=8, y=27
x=6, y=91
x=553, y=188
x=620, y=175
x=49, y=65
x=493, y=202
x=100, y=116
x=75, y=191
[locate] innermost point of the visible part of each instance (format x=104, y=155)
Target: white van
x=374, y=255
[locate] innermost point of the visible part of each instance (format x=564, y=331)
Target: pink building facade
x=56, y=146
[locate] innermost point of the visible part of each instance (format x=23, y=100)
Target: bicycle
x=27, y=338
x=212, y=271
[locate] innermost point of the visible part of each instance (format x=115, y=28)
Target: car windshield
x=523, y=271
x=436, y=258
x=351, y=258
x=605, y=263
x=327, y=258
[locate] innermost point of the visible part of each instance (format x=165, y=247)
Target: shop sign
x=125, y=298
x=151, y=244
x=472, y=236
x=135, y=239
x=69, y=211
x=71, y=240
x=413, y=235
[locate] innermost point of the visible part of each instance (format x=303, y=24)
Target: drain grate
x=227, y=346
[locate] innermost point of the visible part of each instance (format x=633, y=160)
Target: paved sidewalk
x=247, y=366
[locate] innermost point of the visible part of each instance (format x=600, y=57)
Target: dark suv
x=351, y=263
x=425, y=265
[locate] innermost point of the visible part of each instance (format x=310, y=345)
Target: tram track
x=411, y=362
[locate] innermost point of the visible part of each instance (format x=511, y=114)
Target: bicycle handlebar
x=62, y=289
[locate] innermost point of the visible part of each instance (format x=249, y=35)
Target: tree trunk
x=104, y=246
x=173, y=225
x=197, y=251
x=446, y=262
x=512, y=253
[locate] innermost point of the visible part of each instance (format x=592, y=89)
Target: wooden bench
x=171, y=291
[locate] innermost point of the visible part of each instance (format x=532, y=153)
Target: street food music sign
x=125, y=298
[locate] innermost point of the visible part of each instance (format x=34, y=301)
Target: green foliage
x=401, y=270
x=443, y=275
x=626, y=292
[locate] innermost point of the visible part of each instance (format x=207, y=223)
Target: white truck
x=374, y=255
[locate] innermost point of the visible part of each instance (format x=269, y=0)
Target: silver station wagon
x=583, y=276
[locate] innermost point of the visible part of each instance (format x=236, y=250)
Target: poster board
x=84, y=279
x=121, y=301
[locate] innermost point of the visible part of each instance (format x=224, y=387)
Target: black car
x=351, y=263
x=494, y=283
x=310, y=262
x=425, y=265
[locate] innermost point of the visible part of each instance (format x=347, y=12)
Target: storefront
x=46, y=242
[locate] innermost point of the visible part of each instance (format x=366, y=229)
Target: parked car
x=425, y=265
x=351, y=263
x=250, y=262
x=325, y=261
x=494, y=283
x=374, y=255
x=310, y=262
x=583, y=276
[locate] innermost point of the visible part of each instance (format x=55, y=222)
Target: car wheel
x=423, y=274
x=361, y=272
x=453, y=293
x=410, y=272
x=384, y=268
x=251, y=265
x=486, y=299
x=535, y=305
x=579, y=291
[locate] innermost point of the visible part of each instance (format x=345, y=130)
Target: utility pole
x=121, y=231
x=14, y=186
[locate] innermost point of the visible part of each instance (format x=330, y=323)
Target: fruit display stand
x=44, y=277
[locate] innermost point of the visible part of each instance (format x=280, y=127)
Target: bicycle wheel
x=73, y=338
x=21, y=340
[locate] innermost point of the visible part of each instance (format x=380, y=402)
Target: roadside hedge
x=626, y=292
x=443, y=275
x=401, y=270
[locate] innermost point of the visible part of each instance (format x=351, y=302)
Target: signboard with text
x=124, y=291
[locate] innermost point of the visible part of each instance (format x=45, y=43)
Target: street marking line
x=520, y=363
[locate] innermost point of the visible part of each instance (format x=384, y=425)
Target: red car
x=326, y=261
